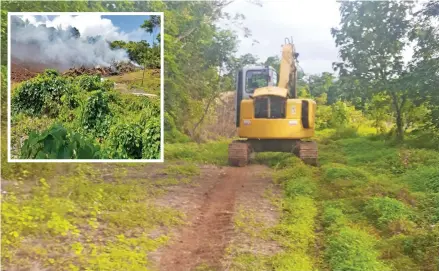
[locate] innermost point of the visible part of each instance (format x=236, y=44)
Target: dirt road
x=210, y=208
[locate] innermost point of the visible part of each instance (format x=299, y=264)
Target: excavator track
x=307, y=151
x=239, y=153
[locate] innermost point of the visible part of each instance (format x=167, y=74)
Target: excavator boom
x=288, y=69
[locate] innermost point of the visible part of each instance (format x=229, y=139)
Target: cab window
x=256, y=79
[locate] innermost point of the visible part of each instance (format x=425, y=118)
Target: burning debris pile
x=115, y=69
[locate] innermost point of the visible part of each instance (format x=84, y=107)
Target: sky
x=111, y=27
x=308, y=22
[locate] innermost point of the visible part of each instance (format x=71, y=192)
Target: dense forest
x=373, y=204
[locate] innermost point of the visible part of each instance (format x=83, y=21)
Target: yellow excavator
x=271, y=118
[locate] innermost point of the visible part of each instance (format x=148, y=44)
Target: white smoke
x=38, y=43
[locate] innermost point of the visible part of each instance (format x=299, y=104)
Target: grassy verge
x=132, y=82
x=371, y=205
x=379, y=207
x=84, y=220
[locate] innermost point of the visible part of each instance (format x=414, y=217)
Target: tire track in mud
x=204, y=240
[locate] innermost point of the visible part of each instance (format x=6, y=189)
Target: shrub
x=96, y=114
x=384, y=210
x=58, y=143
x=151, y=139
x=126, y=141
x=89, y=82
x=40, y=95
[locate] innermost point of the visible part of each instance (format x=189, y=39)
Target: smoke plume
x=60, y=48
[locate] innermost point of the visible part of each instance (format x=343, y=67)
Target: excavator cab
x=269, y=116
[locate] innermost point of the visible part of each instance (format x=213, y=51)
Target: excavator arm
x=288, y=69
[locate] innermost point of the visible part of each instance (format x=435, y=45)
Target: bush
x=89, y=82
x=151, y=139
x=40, y=95
x=385, y=210
x=126, y=141
x=58, y=143
x=96, y=114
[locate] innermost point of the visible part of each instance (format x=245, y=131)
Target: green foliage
x=126, y=141
x=300, y=186
x=385, y=210
x=379, y=110
x=96, y=114
x=424, y=178
x=123, y=254
x=40, y=95
x=89, y=82
x=67, y=216
x=208, y=153
x=333, y=218
x=295, y=232
x=58, y=143
x=342, y=174
x=151, y=139
x=353, y=249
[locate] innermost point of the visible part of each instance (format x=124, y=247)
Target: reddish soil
x=24, y=71
x=210, y=208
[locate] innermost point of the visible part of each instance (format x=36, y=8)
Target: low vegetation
x=84, y=117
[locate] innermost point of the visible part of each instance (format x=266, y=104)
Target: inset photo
x=85, y=87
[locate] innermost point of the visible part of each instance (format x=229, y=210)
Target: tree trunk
x=204, y=115
x=143, y=75
x=399, y=120
x=399, y=126
x=144, y=66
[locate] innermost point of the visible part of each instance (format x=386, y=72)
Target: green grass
x=352, y=249
x=80, y=221
x=208, y=153
x=376, y=196
x=132, y=82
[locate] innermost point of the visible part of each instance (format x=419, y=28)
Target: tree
x=371, y=40
x=274, y=62
x=319, y=84
x=424, y=68
x=150, y=26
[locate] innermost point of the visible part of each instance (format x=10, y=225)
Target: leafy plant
x=151, y=139
x=96, y=114
x=58, y=143
x=386, y=210
x=40, y=95
x=89, y=82
x=126, y=141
